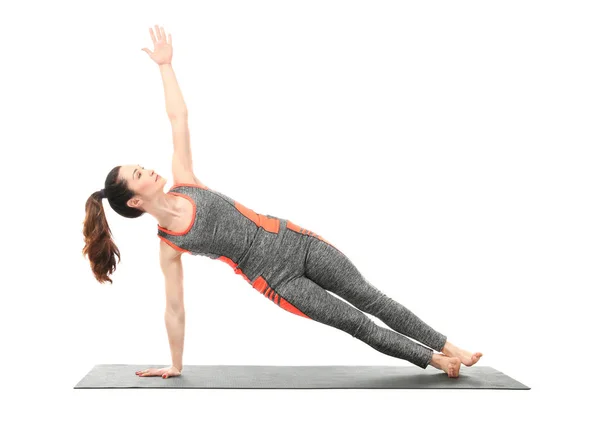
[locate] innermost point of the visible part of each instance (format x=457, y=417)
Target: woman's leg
x=308, y=299
x=332, y=270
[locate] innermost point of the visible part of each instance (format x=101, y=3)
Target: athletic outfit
x=295, y=268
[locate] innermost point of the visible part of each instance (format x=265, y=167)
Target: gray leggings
x=304, y=266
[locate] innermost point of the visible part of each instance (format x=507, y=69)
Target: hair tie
x=102, y=193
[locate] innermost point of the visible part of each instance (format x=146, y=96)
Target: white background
x=448, y=148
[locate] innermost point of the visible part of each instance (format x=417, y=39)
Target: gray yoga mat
x=300, y=376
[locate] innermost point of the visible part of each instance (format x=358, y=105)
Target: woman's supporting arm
x=175, y=104
x=175, y=322
x=172, y=268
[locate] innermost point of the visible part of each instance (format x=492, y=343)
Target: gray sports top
x=224, y=229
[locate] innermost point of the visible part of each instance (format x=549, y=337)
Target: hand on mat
x=163, y=51
x=166, y=372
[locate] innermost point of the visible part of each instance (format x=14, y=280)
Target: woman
x=290, y=265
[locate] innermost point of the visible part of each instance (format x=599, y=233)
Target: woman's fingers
x=158, y=35
x=152, y=36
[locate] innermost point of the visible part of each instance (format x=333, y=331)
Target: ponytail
x=99, y=246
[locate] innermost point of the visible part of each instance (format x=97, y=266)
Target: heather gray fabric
x=219, y=228
x=295, y=268
x=306, y=268
x=299, y=377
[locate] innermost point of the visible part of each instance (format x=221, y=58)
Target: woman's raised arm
x=176, y=109
x=162, y=55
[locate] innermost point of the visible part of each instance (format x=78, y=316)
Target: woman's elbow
x=180, y=115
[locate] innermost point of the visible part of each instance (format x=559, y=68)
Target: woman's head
x=143, y=183
x=127, y=188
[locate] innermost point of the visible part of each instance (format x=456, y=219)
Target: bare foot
x=466, y=357
x=450, y=365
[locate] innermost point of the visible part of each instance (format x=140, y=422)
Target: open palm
x=163, y=50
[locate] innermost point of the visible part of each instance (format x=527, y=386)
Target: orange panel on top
x=269, y=224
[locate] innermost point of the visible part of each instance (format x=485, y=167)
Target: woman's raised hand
x=163, y=50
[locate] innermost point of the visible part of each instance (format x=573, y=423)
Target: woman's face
x=141, y=181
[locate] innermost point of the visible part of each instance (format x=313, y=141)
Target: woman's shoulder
x=189, y=183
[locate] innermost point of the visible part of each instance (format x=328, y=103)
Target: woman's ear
x=135, y=202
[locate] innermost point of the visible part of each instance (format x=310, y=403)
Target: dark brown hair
x=99, y=246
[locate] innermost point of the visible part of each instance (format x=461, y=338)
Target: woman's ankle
x=448, y=348
x=435, y=360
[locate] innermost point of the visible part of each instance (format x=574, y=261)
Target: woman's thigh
x=306, y=298
x=331, y=269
